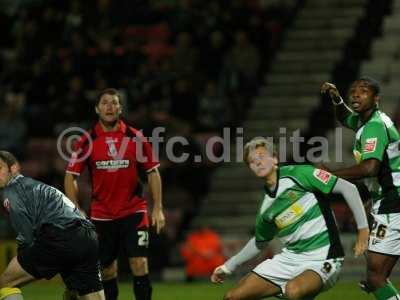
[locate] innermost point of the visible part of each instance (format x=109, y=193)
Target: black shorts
x=129, y=234
x=72, y=252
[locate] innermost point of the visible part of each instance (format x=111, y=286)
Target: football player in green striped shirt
x=377, y=152
x=293, y=211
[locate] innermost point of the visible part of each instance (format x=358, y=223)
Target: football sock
x=387, y=292
x=111, y=289
x=10, y=294
x=142, y=287
x=363, y=284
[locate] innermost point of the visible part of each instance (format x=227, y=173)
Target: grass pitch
x=185, y=291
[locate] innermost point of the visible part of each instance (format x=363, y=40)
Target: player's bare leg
x=379, y=268
x=141, y=282
x=139, y=266
x=93, y=296
x=109, y=277
x=252, y=287
x=111, y=271
x=304, y=286
x=13, y=276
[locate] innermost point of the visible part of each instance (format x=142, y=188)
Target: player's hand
x=331, y=89
x=157, y=219
x=219, y=274
x=362, y=242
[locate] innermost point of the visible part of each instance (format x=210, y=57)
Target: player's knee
x=293, y=291
x=376, y=277
x=139, y=266
x=110, y=272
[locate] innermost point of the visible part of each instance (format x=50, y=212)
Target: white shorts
x=287, y=265
x=385, y=234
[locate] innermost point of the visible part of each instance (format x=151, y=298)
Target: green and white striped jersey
x=296, y=214
x=379, y=139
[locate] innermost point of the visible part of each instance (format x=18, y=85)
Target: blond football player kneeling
x=294, y=211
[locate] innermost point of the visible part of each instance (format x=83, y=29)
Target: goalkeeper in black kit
x=49, y=227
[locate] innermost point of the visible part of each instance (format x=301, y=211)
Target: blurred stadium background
x=193, y=67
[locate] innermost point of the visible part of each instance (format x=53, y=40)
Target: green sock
x=388, y=292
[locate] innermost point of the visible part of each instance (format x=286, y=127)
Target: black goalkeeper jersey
x=31, y=204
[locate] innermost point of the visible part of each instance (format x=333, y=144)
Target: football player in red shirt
x=114, y=153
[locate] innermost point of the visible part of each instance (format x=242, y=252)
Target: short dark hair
x=108, y=91
x=8, y=158
x=372, y=83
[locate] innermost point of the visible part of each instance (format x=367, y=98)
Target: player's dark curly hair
x=8, y=158
x=371, y=82
x=108, y=91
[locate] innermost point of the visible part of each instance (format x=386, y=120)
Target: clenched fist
x=332, y=90
x=219, y=274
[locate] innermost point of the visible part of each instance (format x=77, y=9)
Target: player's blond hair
x=258, y=142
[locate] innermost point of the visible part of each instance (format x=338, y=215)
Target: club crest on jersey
x=112, y=149
x=322, y=175
x=6, y=204
x=370, y=145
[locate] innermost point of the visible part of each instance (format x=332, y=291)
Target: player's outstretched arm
x=366, y=168
x=353, y=199
x=250, y=250
x=342, y=111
